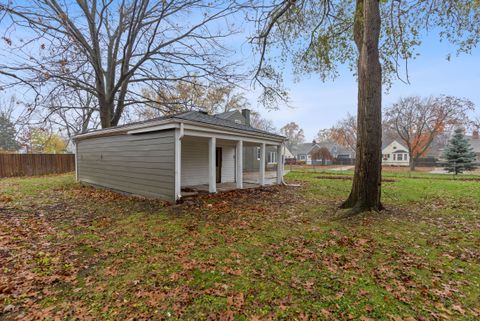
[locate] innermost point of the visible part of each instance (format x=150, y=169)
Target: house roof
x=474, y=142
x=308, y=147
x=302, y=148
x=395, y=141
x=228, y=114
x=194, y=116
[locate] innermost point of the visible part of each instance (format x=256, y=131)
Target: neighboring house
x=474, y=141
x=173, y=155
x=436, y=151
x=395, y=154
x=287, y=153
x=308, y=152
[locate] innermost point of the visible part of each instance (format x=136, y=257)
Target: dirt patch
x=406, y=169
x=349, y=178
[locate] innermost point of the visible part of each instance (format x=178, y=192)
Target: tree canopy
x=113, y=49
x=318, y=37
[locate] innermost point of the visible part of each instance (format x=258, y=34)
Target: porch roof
x=190, y=116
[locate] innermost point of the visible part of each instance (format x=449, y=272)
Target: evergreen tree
x=459, y=154
x=7, y=134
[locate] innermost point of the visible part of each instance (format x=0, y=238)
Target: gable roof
x=194, y=116
x=304, y=148
x=400, y=146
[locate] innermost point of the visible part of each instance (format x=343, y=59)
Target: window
x=400, y=157
x=272, y=157
x=259, y=153
x=394, y=156
x=405, y=156
x=302, y=157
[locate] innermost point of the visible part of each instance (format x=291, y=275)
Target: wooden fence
x=35, y=164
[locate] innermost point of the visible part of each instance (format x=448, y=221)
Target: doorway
x=218, y=164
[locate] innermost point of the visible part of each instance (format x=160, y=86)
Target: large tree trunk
x=106, y=111
x=366, y=187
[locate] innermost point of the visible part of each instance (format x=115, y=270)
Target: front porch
x=219, y=163
x=250, y=180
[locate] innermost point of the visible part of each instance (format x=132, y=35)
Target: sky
x=318, y=105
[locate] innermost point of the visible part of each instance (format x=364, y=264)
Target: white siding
x=228, y=164
x=195, y=161
x=395, y=148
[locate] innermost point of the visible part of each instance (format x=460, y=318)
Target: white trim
x=212, y=177
x=154, y=128
x=76, y=162
x=262, y=164
x=228, y=136
x=178, y=164
x=175, y=123
x=239, y=164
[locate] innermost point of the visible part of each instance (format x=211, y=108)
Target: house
x=309, y=152
x=395, y=154
x=474, y=141
x=173, y=156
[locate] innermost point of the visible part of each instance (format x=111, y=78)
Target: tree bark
x=412, y=162
x=366, y=187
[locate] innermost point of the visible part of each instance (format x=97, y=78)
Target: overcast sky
x=319, y=105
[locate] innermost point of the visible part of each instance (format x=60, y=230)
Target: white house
x=395, y=154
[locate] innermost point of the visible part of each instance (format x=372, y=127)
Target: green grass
x=275, y=253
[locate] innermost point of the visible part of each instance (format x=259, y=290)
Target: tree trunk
x=412, y=163
x=106, y=111
x=366, y=187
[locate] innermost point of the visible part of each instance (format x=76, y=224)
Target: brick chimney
x=246, y=115
x=475, y=134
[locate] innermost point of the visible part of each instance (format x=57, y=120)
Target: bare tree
x=209, y=97
x=322, y=153
x=259, y=122
x=475, y=124
x=418, y=121
x=294, y=134
x=71, y=113
x=122, y=46
x=344, y=132
x=376, y=38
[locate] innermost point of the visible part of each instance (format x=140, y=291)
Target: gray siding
x=139, y=164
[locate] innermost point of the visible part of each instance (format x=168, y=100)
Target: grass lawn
x=68, y=251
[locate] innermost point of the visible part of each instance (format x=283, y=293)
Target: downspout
x=182, y=131
x=283, y=163
x=283, y=181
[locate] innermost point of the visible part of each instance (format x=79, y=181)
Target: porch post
x=212, y=177
x=262, y=164
x=178, y=165
x=279, y=163
x=239, y=163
